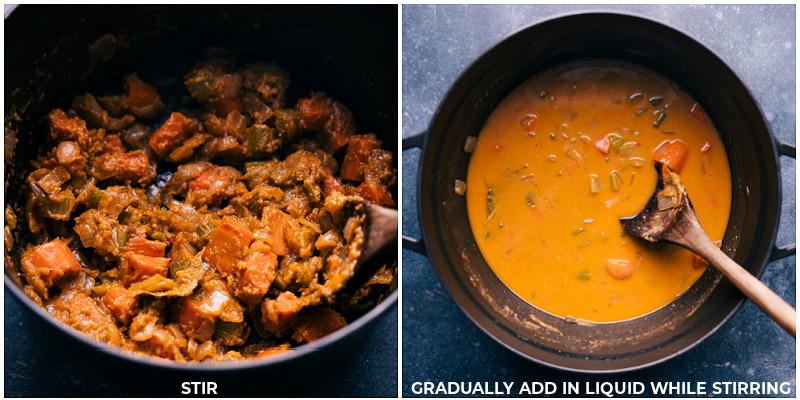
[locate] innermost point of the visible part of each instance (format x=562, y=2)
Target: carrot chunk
x=603, y=145
x=672, y=153
x=48, y=263
x=194, y=320
x=256, y=274
x=120, y=303
x=279, y=314
x=146, y=247
x=621, y=269
x=175, y=130
x=227, y=245
x=275, y=220
x=137, y=267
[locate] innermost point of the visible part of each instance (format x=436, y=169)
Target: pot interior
x=54, y=53
x=514, y=322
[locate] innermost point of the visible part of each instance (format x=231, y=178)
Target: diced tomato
x=214, y=177
x=256, y=274
x=620, y=268
x=133, y=166
x=62, y=127
x=320, y=113
x=227, y=245
x=120, y=303
x=112, y=143
x=175, y=130
x=698, y=113
x=49, y=263
x=316, y=323
x=275, y=220
x=146, y=247
x=332, y=184
x=213, y=185
x=355, y=159
x=603, y=145
x=672, y=153
x=227, y=97
x=314, y=112
x=339, y=128
x=375, y=192
x=142, y=98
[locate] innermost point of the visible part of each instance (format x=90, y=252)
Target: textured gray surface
x=439, y=42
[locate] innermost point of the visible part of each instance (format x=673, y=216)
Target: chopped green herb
x=584, y=275
x=614, y=185
x=584, y=244
x=616, y=140
x=615, y=180
x=578, y=231
x=490, y=201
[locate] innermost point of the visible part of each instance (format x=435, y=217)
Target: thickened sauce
x=566, y=155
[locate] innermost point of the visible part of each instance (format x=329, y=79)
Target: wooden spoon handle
x=772, y=304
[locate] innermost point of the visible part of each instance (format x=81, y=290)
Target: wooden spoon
x=380, y=240
x=670, y=217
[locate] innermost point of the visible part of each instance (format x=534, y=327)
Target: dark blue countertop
x=440, y=344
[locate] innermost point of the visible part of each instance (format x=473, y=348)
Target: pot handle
x=411, y=243
x=783, y=251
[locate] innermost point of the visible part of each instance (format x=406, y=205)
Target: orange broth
x=561, y=159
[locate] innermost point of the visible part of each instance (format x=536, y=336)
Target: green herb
x=616, y=140
x=615, y=180
x=490, y=202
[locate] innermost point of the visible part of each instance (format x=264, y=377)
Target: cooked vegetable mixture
x=562, y=159
x=216, y=231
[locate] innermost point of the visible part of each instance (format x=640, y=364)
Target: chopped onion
x=460, y=187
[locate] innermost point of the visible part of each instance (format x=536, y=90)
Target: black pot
x=447, y=238
x=349, y=52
